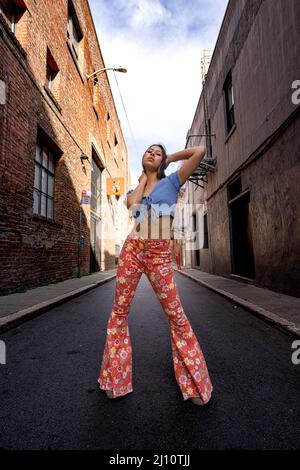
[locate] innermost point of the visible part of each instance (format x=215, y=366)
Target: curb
x=14, y=319
x=282, y=324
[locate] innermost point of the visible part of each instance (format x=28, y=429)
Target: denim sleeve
x=173, y=177
x=128, y=192
x=125, y=198
x=136, y=211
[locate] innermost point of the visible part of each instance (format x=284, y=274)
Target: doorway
x=95, y=223
x=196, y=240
x=241, y=240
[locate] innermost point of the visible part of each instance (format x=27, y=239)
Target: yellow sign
x=115, y=186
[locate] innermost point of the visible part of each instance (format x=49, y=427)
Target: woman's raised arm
x=193, y=157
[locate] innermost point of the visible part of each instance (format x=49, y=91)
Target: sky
x=160, y=43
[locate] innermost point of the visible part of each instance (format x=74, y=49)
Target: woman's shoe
x=197, y=401
x=109, y=393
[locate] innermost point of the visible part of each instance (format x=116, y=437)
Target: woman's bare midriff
x=159, y=229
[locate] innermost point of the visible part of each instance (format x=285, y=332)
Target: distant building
x=59, y=136
x=249, y=206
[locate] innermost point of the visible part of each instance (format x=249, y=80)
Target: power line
x=126, y=115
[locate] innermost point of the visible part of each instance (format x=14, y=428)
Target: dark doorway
x=95, y=233
x=242, y=256
x=196, y=231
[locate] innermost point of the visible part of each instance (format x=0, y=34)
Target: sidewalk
x=283, y=311
x=17, y=308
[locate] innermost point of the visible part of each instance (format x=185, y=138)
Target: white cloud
x=148, y=13
x=160, y=44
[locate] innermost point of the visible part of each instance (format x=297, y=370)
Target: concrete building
x=59, y=136
x=249, y=211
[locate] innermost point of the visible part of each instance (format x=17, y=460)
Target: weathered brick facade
x=46, y=99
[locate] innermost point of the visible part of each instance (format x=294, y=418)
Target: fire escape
x=209, y=162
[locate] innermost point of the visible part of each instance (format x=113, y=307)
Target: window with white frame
x=73, y=30
x=14, y=12
x=44, y=173
x=52, y=74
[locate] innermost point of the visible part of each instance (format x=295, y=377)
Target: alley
x=50, y=397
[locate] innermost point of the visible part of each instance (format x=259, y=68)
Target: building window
x=205, y=229
x=50, y=77
x=44, y=171
x=74, y=32
x=51, y=74
x=229, y=103
x=108, y=116
x=13, y=11
x=115, y=146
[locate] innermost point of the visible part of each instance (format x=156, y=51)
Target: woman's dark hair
x=163, y=165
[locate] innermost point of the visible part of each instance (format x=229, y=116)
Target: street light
x=117, y=69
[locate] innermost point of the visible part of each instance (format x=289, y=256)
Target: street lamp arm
x=118, y=69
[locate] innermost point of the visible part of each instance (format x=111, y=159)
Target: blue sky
x=160, y=43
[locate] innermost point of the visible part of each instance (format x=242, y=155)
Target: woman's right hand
x=143, y=177
x=175, y=249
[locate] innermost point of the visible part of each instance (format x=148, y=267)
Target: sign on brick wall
x=115, y=186
x=85, y=197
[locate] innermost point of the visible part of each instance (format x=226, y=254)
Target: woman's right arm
x=135, y=197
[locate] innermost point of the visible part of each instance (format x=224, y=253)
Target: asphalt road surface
x=50, y=397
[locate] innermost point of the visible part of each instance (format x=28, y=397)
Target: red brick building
x=59, y=135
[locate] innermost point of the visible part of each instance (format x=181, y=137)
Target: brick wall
x=36, y=250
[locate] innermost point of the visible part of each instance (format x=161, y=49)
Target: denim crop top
x=160, y=201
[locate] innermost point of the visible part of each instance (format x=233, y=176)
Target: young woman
x=148, y=249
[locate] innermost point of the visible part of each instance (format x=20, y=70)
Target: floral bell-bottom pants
x=154, y=258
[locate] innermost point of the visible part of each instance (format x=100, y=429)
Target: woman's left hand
x=175, y=246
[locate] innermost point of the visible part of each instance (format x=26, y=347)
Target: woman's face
x=152, y=157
